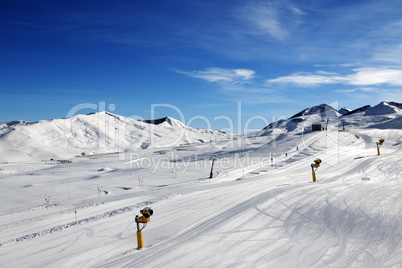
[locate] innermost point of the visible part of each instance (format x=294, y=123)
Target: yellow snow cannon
x=314, y=167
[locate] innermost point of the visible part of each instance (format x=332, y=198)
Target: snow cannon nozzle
x=147, y=212
x=316, y=163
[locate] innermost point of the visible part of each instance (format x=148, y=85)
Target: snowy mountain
x=358, y=110
x=105, y=132
x=94, y=133
x=384, y=108
x=384, y=115
x=344, y=110
x=322, y=110
x=302, y=121
x=167, y=121
x=260, y=209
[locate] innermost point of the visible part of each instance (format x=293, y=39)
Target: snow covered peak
x=396, y=104
x=358, y=110
x=165, y=120
x=385, y=108
x=385, y=115
x=6, y=127
x=12, y=124
x=303, y=120
x=323, y=110
x=101, y=132
x=344, y=110
x=173, y=122
x=104, y=114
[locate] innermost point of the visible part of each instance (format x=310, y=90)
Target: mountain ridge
x=105, y=132
x=100, y=132
x=383, y=115
x=318, y=109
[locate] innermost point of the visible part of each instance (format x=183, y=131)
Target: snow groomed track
x=252, y=214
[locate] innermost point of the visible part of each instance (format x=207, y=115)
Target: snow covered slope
x=301, y=122
x=385, y=115
x=261, y=209
x=93, y=134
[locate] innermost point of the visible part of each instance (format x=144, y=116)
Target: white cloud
x=361, y=77
x=297, y=11
x=353, y=90
x=238, y=84
x=346, y=90
x=308, y=79
x=375, y=76
x=245, y=73
x=222, y=75
x=325, y=73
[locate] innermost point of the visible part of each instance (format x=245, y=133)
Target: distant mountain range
x=105, y=132
x=385, y=115
x=380, y=109
x=94, y=133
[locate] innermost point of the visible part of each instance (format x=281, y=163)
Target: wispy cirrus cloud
x=360, y=77
x=358, y=89
x=235, y=76
x=308, y=79
x=388, y=54
x=274, y=18
x=264, y=19
x=238, y=84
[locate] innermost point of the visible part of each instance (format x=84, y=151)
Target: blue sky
x=197, y=61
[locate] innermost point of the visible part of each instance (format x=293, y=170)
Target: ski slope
x=261, y=209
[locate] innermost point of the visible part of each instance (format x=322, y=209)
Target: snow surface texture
x=261, y=209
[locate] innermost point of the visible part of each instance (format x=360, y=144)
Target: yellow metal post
x=144, y=219
x=379, y=143
x=139, y=240
x=314, y=176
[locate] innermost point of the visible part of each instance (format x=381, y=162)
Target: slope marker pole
x=211, y=174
